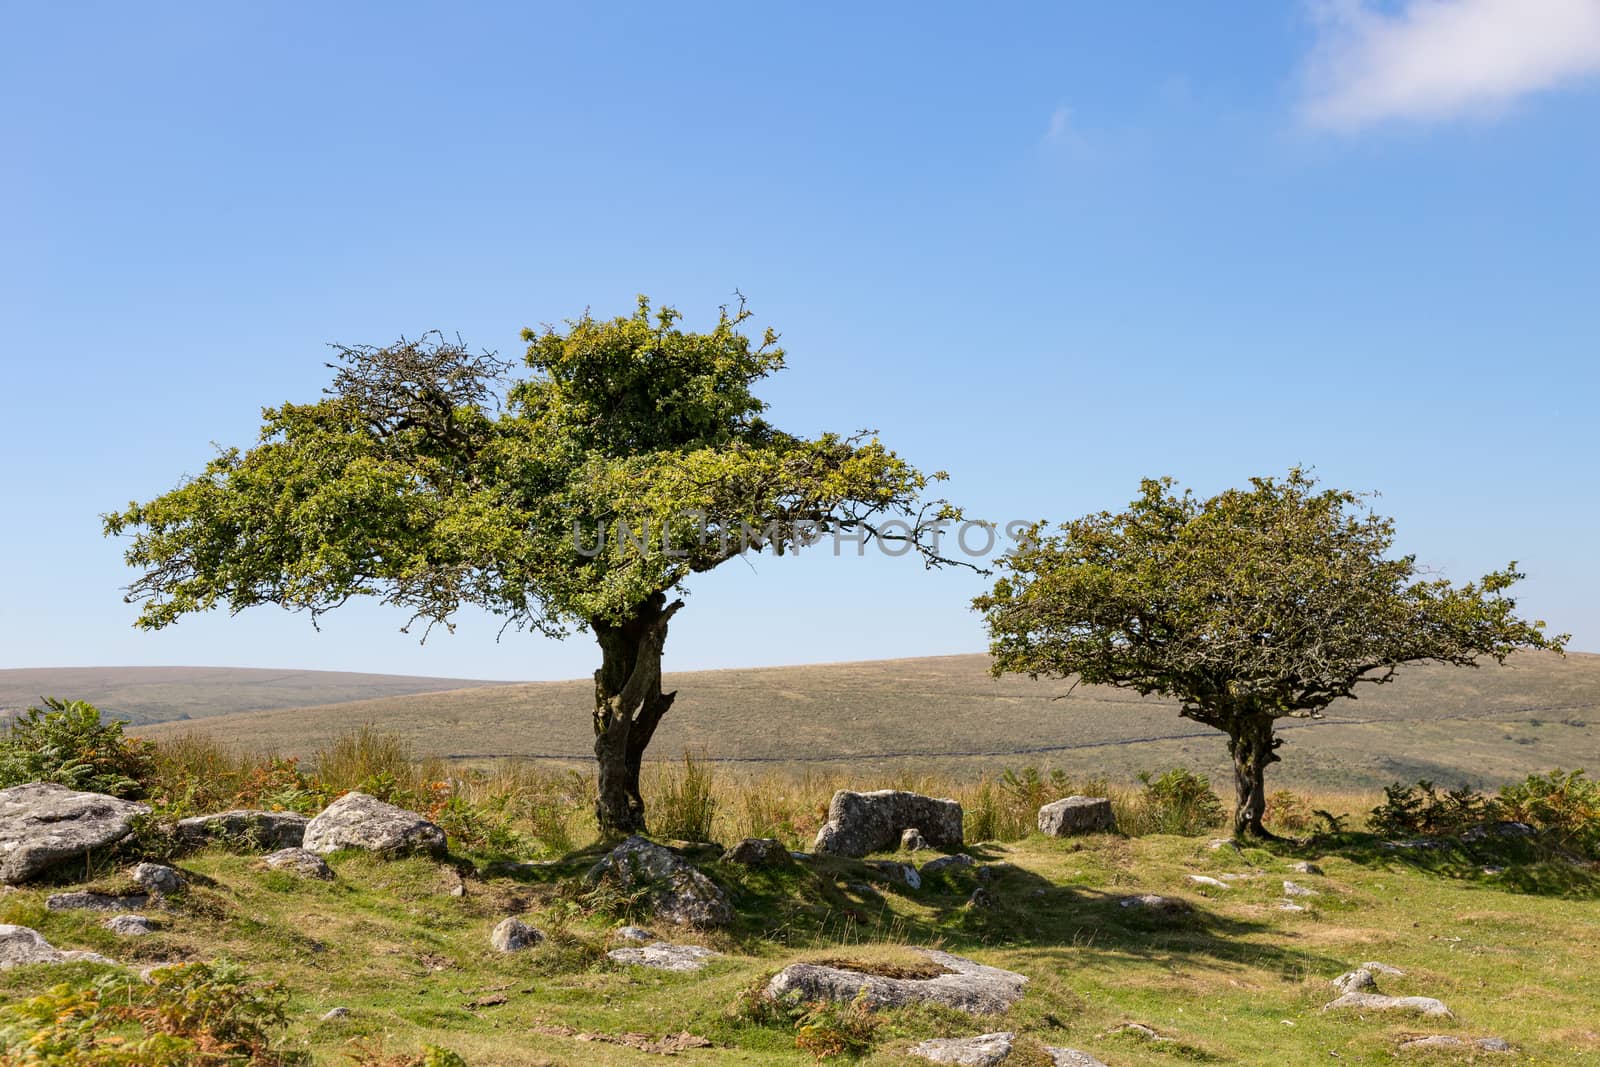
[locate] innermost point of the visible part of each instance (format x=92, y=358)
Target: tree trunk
x=1253, y=747
x=628, y=705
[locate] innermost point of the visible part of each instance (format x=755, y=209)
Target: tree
x=1255, y=605
x=580, y=497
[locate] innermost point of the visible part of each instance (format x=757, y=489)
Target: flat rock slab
x=985, y=1050
x=1378, y=1002
x=43, y=824
x=664, y=957
x=1435, y=1042
x=247, y=827
x=760, y=852
x=859, y=823
x=1071, y=1057
x=1160, y=905
x=359, y=821
x=1077, y=815
x=83, y=900
x=20, y=946
x=300, y=861
x=677, y=891
x=966, y=986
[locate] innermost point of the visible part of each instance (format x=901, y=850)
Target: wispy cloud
x=1060, y=124
x=1437, y=59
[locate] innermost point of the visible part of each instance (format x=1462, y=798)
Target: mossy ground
x=1234, y=981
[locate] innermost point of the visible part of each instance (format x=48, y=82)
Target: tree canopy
x=1249, y=606
x=583, y=495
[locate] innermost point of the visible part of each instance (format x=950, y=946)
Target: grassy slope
x=1237, y=982
x=947, y=714
x=160, y=694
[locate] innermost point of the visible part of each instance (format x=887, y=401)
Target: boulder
x=985, y=1050
x=1077, y=815
x=129, y=925
x=635, y=933
x=677, y=891
x=1291, y=889
x=1305, y=867
x=20, y=946
x=1359, y=980
x=1159, y=904
x=245, y=826
x=305, y=863
x=965, y=985
x=946, y=863
x=357, y=820
x=1382, y=968
x=83, y=900
x=760, y=852
x=1378, y=1002
x=43, y=824
x=662, y=956
x=333, y=1015
x=1498, y=829
x=859, y=823
x=157, y=878
x=1206, y=880
x=514, y=935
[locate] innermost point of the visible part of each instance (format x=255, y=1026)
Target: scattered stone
x=1222, y=842
x=514, y=935
x=1071, y=1057
x=1077, y=815
x=1498, y=829
x=1201, y=879
x=663, y=956
x=981, y=898
x=1289, y=905
x=1443, y=1041
x=902, y=873
x=158, y=878
x=43, y=824
x=1423, y=843
x=1382, y=968
x=1305, y=867
x=1291, y=889
x=1491, y=871
x=911, y=840
x=985, y=1050
x=679, y=893
x=670, y=1045
x=245, y=826
x=965, y=986
x=859, y=823
x=635, y=933
x=760, y=852
x=1153, y=902
x=83, y=900
x=357, y=820
x=1149, y=1033
x=1378, y=1002
x=1356, y=981
x=1241, y=877
x=305, y=863
x=945, y=863
x=129, y=925
x=335, y=1014
x=20, y=946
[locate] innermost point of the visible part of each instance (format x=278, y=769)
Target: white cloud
x=1434, y=59
x=1060, y=124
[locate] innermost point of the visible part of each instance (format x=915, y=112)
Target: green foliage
x=208, y=1014
x=1422, y=811
x=824, y=1029
x=1177, y=801
x=1564, y=806
x=687, y=805
x=70, y=744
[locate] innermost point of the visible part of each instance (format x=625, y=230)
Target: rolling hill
x=902, y=717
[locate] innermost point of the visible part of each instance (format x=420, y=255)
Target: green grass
x=906, y=717
x=1235, y=982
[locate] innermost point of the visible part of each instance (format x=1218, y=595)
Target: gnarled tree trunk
x=1253, y=747
x=628, y=705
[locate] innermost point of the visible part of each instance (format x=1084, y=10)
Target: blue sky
x=1049, y=252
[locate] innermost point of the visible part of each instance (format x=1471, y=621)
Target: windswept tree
x=1256, y=605
x=582, y=496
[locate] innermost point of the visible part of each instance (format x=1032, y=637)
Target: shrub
x=826, y=1030
x=687, y=804
x=1422, y=811
x=1564, y=805
x=1177, y=801
x=68, y=743
x=207, y=1014
x=369, y=1052
x=377, y=763
x=1289, y=812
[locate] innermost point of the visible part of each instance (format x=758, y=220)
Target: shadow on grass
x=1508, y=864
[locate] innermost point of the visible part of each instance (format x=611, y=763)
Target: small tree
x=1255, y=605
x=583, y=496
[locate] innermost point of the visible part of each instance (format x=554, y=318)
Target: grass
x=1236, y=981
x=947, y=716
